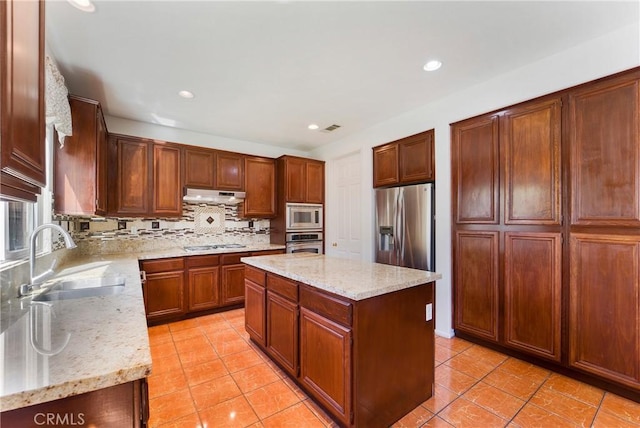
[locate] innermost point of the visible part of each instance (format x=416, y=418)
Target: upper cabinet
x=406, y=161
x=260, y=187
x=22, y=122
x=80, y=167
x=213, y=169
x=147, y=178
x=604, y=138
x=302, y=180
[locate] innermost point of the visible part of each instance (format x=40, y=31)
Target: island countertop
x=353, y=279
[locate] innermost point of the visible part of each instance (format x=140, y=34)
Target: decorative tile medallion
x=209, y=219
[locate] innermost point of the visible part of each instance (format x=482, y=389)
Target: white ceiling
x=262, y=71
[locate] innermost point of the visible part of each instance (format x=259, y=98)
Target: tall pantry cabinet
x=546, y=228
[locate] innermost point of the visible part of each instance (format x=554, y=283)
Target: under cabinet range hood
x=213, y=196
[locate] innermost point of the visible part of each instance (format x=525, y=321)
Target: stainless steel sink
x=82, y=287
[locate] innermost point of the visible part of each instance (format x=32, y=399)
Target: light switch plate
x=429, y=311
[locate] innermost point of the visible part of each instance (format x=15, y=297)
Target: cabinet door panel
x=164, y=294
x=255, y=311
x=133, y=177
x=416, y=158
x=385, y=165
x=232, y=284
x=315, y=183
x=604, y=322
x=102, y=164
x=476, y=283
x=531, y=141
x=260, y=186
x=605, y=155
x=22, y=102
x=229, y=171
x=199, y=168
x=325, y=362
x=475, y=161
x=282, y=331
x=167, y=190
x=295, y=177
x=533, y=292
x=204, y=288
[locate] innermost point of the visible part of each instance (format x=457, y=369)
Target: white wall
x=119, y=125
x=599, y=57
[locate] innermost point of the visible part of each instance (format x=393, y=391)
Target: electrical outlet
x=429, y=312
x=155, y=225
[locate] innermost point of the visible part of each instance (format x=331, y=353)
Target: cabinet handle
x=143, y=276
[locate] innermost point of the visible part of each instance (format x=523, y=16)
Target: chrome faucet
x=34, y=279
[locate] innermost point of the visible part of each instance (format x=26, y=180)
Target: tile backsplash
x=200, y=224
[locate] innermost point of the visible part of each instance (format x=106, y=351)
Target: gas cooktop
x=212, y=247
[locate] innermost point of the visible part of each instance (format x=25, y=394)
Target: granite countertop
x=353, y=279
x=80, y=345
x=106, y=339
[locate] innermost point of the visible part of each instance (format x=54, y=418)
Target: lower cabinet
x=339, y=351
x=255, y=304
x=124, y=405
x=203, y=274
x=325, y=362
x=163, y=287
x=232, y=281
x=180, y=287
x=282, y=322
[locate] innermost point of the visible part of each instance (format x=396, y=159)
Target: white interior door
x=344, y=229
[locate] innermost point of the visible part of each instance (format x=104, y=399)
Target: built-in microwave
x=304, y=217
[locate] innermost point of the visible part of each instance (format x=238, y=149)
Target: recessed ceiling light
x=313, y=127
x=83, y=5
x=186, y=94
x=432, y=65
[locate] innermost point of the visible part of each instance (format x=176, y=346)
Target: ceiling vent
x=331, y=128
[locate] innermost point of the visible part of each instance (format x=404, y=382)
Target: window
x=18, y=219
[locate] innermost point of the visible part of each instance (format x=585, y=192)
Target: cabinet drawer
x=203, y=261
x=336, y=310
x=162, y=265
x=232, y=259
x=255, y=275
x=285, y=287
x=267, y=252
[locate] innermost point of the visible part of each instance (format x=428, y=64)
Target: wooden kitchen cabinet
x=229, y=171
x=147, y=178
x=213, y=169
x=199, y=168
x=164, y=288
x=81, y=166
x=255, y=304
x=22, y=109
x=325, y=362
x=500, y=294
x=529, y=288
x=301, y=179
x=604, y=309
x=477, y=283
x=555, y=281
x=282, y=322
x=203, y=276
x=604, y=139
x=409, y=160
x=232, y=283
x=337, y=350
x=260, y=187
x=123, y=405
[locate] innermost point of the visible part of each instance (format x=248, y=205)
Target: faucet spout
x=68, y=242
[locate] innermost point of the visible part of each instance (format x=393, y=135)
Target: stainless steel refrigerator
x=405, y=226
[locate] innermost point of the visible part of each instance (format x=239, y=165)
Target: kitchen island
x=358, y=337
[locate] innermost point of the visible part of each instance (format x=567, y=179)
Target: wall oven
x=304, y=217
x=304, y=242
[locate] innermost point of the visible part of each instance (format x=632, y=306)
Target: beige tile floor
x=207, y=374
